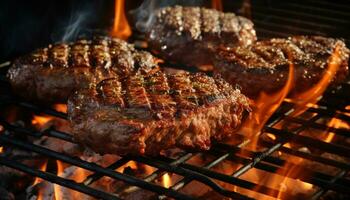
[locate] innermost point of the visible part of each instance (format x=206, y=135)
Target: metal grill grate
x=271, y=20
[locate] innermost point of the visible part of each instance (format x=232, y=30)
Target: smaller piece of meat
x=51, y=74
x=153, y=111
x=264, y=66
x=188, y=35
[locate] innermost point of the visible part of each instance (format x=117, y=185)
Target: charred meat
x=153, y=111
x=51, y=74
x=189, y=35
x=264, y=66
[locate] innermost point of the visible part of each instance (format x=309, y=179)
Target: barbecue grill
x=272, y=19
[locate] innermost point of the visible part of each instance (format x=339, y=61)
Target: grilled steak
x=153, y=111
x=188, y=35
x=51, y=74
x=264, y=66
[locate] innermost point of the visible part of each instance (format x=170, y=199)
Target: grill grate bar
x=312, y=177
x=323, y=190
x=311, y=157
x=189, y=173
x=307, y=141
x=92, y=167
x=58, y=180
x=158, y=173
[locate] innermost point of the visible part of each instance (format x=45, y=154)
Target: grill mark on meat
x=205, y=88
x=122, y=57
x=111, y=91
x=136, y=92
x=99, y=56
x=158, y=92
x=51, y=74
x=79, y=54
x=58, y=55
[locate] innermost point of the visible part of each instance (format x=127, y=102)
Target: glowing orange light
x=60, y=107
x=216, y=4
x=39, y=180
x=121, y=28
x=263, y=107
x=42, y=168
x=166, y=180
x=40, y=121
x=312, y=95
x=57, y=188
x=131, y=164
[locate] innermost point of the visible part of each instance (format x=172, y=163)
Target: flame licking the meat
x=166, y=180
x=263, y=107
x=121, y=28
x=312, y=95
x=216, y=4
x=41, y=122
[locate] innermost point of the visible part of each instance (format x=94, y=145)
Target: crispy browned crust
x=264, y=66
x=51, y=74
x=154, y=111
x=188, y=35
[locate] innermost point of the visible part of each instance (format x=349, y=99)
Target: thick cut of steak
x=188, y=35
x=264, y=66
x=154, y=111
x=51, y=74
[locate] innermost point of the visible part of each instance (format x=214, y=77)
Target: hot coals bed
x=301, y=152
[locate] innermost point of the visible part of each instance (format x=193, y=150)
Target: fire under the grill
x=289, y=148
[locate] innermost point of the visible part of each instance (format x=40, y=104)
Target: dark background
x=27, y=25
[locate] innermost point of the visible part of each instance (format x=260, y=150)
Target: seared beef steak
x=188, y=35
x=153, y=111
x=264, y=66
x=51, y=74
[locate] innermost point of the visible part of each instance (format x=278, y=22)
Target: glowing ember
x=60, y=107
x=131, y=164
x=216, y=4
x=166, y=180
x=39, y=180
x=335, y=123
x=57, y=188
x=121, y=28
x=41, y=121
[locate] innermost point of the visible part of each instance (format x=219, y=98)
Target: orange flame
x=57, y=188
x=41, y=120
x=216, y=4
x=264, y=106
x=131, y=164
x=39, y=180
x=335, y=123
x=312, y=95
x=121, y=27
x=60, y=107
x=166, y=180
